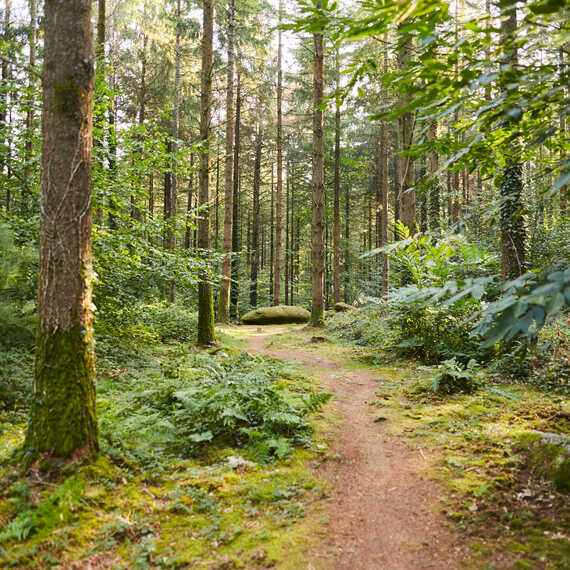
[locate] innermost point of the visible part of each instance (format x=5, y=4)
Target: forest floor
x=394, y=477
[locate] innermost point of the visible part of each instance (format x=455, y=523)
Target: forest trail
x=381, y=510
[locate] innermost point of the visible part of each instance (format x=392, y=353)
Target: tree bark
x=512, y=221
x=336, y=205
x=206, y=332
x=279, y=198
x=30, y=115
x=255, y=220
x=435, y=188
x=62, y=418
x=407, y=198
x=318, y=193
x=234, y=291
x=224, y=296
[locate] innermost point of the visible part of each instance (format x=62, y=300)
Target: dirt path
x=382, y=509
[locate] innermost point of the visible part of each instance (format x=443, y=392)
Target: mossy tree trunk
x=206, y=332
x=63, y=422
x=317, y=225
x=512, y=221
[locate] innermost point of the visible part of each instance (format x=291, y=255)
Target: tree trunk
x=279, y=199
x=62, y=418
x=255, y=221
x=407, y=198
x=347, y=245
x=5, y=100
x=206, y=332
x=272, y=237
x=234, y=292
x=224, y=296
x=435, y=188
x=512, y=222
x=287, y=241
x=318, y=194
x=188, y=235
x=30, y=115
x=336, y=205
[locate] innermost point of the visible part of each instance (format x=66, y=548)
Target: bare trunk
x=278, y=204
x=224, y=296
x=318, y=198
x=234, y=292
x=30, y=115
x=407, y=198
x=435, y=188
x=206, y=332
x=62, y=418
x=336, y=205
x=255, y=221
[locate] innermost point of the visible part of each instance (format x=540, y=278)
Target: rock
x=276, y=315
x=315, y=339
x=549, y=456
x=342, y=307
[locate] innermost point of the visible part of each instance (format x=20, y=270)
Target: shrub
x=152, y=322
x=451, y=377
x=241, y=401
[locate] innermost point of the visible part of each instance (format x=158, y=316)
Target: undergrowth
x=203, y=460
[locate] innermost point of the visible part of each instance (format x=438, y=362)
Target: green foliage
x=452, y=377
x=49, y=514
x=524, y=307
x=241, y=400
x=152, y=322
x=15, y=379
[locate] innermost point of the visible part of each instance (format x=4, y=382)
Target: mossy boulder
x=342, y=307
x=549, y=456
x=276, y=315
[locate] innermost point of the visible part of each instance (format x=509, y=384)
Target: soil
x=381, y=512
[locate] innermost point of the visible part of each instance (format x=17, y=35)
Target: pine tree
x=63, y=421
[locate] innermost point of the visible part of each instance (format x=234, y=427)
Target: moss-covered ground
x=136, y=508
x=220, y=509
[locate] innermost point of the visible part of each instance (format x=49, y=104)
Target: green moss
x=63, y=420
x=68, y=98
x=280, y=314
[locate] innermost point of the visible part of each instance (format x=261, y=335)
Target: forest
x=285, y=285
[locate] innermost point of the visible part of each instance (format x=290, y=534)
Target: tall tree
x=407, y=197
x=63, y=421
x=336, y=205
x=279, y=197
x=234, y=291
x=224, y=296
x=512, y=222
x=318, y=193
x=30, y=115
x=206, y=332
x=255, y=217
x=174, y=145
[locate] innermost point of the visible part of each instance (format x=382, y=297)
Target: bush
x=451, y=377
x=155, y=322
x=242, y=401
x=434, y=332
